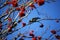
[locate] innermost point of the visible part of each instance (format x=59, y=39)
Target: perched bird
x=36, y=19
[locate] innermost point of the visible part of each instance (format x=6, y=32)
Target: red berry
x=14, y=3
x=14, y=0
x=40, y=2
x=34, y=38
x=18, y=8
x=9, y=19
x=21, y=14
x=31, y=33
x=35, y=1
x=53, y=31
x=0, y=24
x=9, y=27
x=39, y=37
x=22, y=8
x=23, y=24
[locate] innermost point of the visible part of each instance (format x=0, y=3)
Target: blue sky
x=52, y=10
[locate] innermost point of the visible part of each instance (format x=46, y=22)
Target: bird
x=35, y=19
